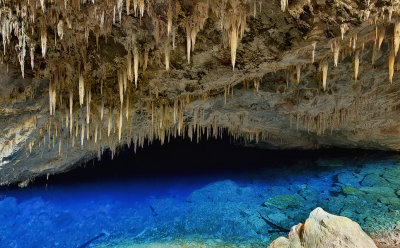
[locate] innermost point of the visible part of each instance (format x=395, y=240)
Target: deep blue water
x=210, y=193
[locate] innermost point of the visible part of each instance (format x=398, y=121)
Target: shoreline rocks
x=322, y=229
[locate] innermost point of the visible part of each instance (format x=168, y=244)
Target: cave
x=199, y=123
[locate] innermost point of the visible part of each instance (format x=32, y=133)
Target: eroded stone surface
x=322, y=229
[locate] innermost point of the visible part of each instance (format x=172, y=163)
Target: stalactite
x=324, y=73
x=82, y=133
x=136, y=65
x=141, y=7
x=128, y=6
x=169, y=17
x=284, y=5
x=313, y=52
x=102, y=110
x=52, y=97
x=87, y=131
x=381, y=37
x=336, y=50
x=109, y=123
x=121, y=87
x=188, y=43
x=120, y=124
x=81, y=89
x=43, y=39
x=354, y=39
x=95, y=134
x=60, y=29
x=233, y=43
x=391, y=66
x=127, y=108
x=396, y=37
x=32, y=55
x=343, y=29
x=88, y=100
x=71, y=104
x=356, y=64
x=167, y=57
x=298, y=72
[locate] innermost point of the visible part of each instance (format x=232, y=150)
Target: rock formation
x=322, y=229
x=277, y=74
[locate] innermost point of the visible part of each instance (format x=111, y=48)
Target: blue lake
x=245, y=198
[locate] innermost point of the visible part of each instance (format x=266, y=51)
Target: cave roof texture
x=79, y=77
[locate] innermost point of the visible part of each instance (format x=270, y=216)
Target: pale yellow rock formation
x=326, y=230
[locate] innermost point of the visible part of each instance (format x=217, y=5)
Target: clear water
x=168, y=200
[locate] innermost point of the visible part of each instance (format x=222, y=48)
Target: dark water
x=213, y=193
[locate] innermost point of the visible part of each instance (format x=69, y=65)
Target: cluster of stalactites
x=232, y=15
x=194, y=24
x=93, y=132
x=30, y=18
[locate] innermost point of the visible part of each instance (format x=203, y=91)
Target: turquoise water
x=249, y=205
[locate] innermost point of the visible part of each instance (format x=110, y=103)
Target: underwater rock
x=166, y=209
x=374, y=180
x=278, y=219
x=284, y=201
x=310, y=194
x=392, y=202
x=378, y=191
x=347, y=190
x=222, y=191
x=350, y=179
x=392, y=175
x=322, y=229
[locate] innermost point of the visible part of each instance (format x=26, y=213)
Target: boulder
x=322, y=229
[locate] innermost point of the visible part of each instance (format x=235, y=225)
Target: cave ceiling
x=80, y=77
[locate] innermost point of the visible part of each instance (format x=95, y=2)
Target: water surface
x=213, y=193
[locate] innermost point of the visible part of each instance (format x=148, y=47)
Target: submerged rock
x=350, y=179
x=284, y=201
x=322, y=229
x=374, y=180
x=347, y=190
x=378, y=191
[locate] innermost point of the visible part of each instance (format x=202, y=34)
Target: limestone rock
x=322, y=229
